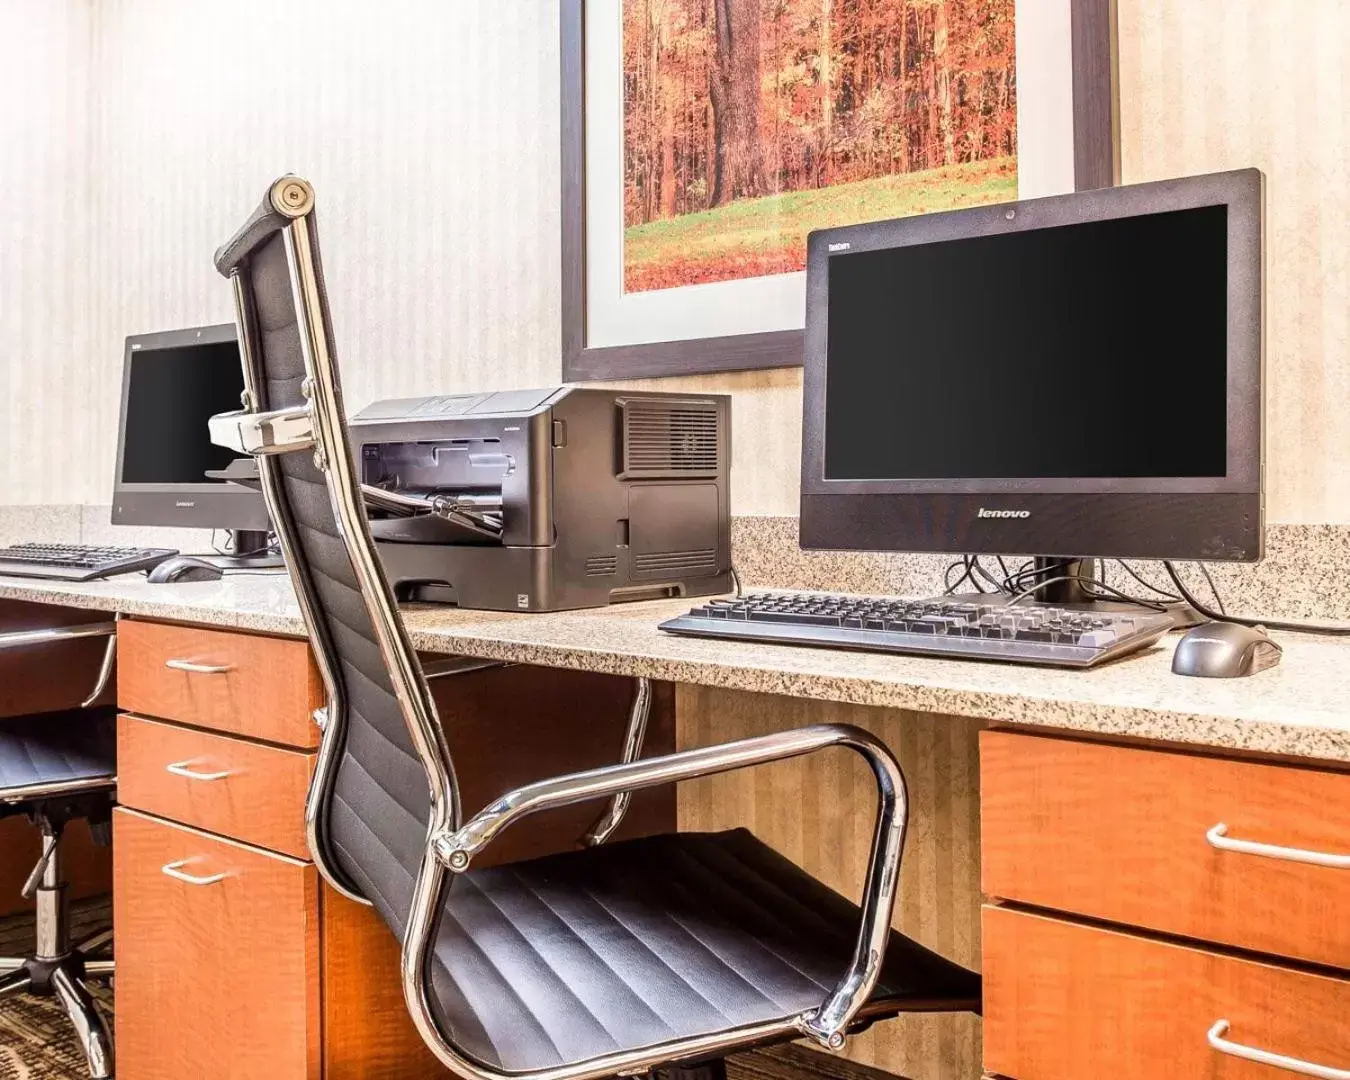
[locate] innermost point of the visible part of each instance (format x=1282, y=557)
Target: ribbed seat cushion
x=570, y=957
x=54, y=748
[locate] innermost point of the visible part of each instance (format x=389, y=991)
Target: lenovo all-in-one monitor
x=1071, y=376
x=168, y=470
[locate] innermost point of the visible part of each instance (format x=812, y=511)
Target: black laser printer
x=543, y=500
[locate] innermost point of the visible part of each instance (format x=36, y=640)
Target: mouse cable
x=1329, y=629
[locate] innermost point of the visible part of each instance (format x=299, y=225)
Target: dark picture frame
x=1096, y=164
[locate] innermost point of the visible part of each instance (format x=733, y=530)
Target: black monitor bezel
x=207, y=505
x=929, y=515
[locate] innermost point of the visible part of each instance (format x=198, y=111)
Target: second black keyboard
x=78, y=562
x=1022, y=632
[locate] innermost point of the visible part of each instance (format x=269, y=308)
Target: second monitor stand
x=248, y=550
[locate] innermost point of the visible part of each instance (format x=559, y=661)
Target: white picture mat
x=753, y=305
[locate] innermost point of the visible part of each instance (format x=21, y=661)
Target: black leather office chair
x=668, y=951
x=56, y=768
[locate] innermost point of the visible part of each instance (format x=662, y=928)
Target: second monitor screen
x=172, y=394
x=1090, y=350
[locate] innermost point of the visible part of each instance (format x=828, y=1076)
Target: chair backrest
x=384, y=776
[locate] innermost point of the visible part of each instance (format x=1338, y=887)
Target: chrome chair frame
x=59, y=965
x=451, y=843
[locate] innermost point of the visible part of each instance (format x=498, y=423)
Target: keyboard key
x=795, y=617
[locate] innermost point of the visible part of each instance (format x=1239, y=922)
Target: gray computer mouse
x=185, y=568
x=1224, y=650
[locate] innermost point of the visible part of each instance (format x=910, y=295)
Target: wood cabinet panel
x=218, y=978
x=368, y=1034
x=1120, y=833
x=1064, y=1001
x=245, y=684
x=230, y=786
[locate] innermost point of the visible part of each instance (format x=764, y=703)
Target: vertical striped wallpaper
x=137, y=133
x=1219, y=84
x=430, y=131
x=45, y=243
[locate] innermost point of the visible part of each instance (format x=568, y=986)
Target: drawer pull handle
x=185, y=770
x=175, y=871
x=198, y=669
x=1265, y=1057
x=1218, y=837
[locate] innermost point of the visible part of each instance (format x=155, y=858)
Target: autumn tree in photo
x=747, y=123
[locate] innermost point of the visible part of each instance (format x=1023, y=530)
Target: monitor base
x=263, y=560
x=250, y=549
x=1066, y=586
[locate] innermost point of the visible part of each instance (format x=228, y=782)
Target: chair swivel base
x=59, y=969
x=65, y=980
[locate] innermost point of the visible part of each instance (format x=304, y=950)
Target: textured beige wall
x=432, y=133
x=1219, y=84
x=44, y=238
x=429, y=128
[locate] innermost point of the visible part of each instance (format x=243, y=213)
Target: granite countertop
x=1300, y=708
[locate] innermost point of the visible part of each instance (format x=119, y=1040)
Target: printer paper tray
x=429, y=529
x=423, y=519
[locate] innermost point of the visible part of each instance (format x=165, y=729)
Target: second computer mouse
x=185, y=568
x=1224, y=650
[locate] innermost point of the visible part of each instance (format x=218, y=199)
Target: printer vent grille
x=666, y=440
x=602, y=565
x=675, y=562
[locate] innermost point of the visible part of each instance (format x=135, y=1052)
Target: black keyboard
x=78, y=562
x=1022, y=633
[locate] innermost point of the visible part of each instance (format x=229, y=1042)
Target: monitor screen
x=171, y=395
x=1044, y=353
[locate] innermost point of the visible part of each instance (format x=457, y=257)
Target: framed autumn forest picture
x=702, y=140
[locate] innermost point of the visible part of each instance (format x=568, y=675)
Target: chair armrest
x=611, y=817
x=50, y=635
x=22, y=639
x=458, y=665
x=456, y=849
x=256, y=433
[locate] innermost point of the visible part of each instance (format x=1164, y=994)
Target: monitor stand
x=248, y=551
x=1071, y=594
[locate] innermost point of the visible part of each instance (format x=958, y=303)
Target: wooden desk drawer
x=1120, y=834
x=239, y=789
x=1063, y=1001
x=218, y=975
x=246, y=684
